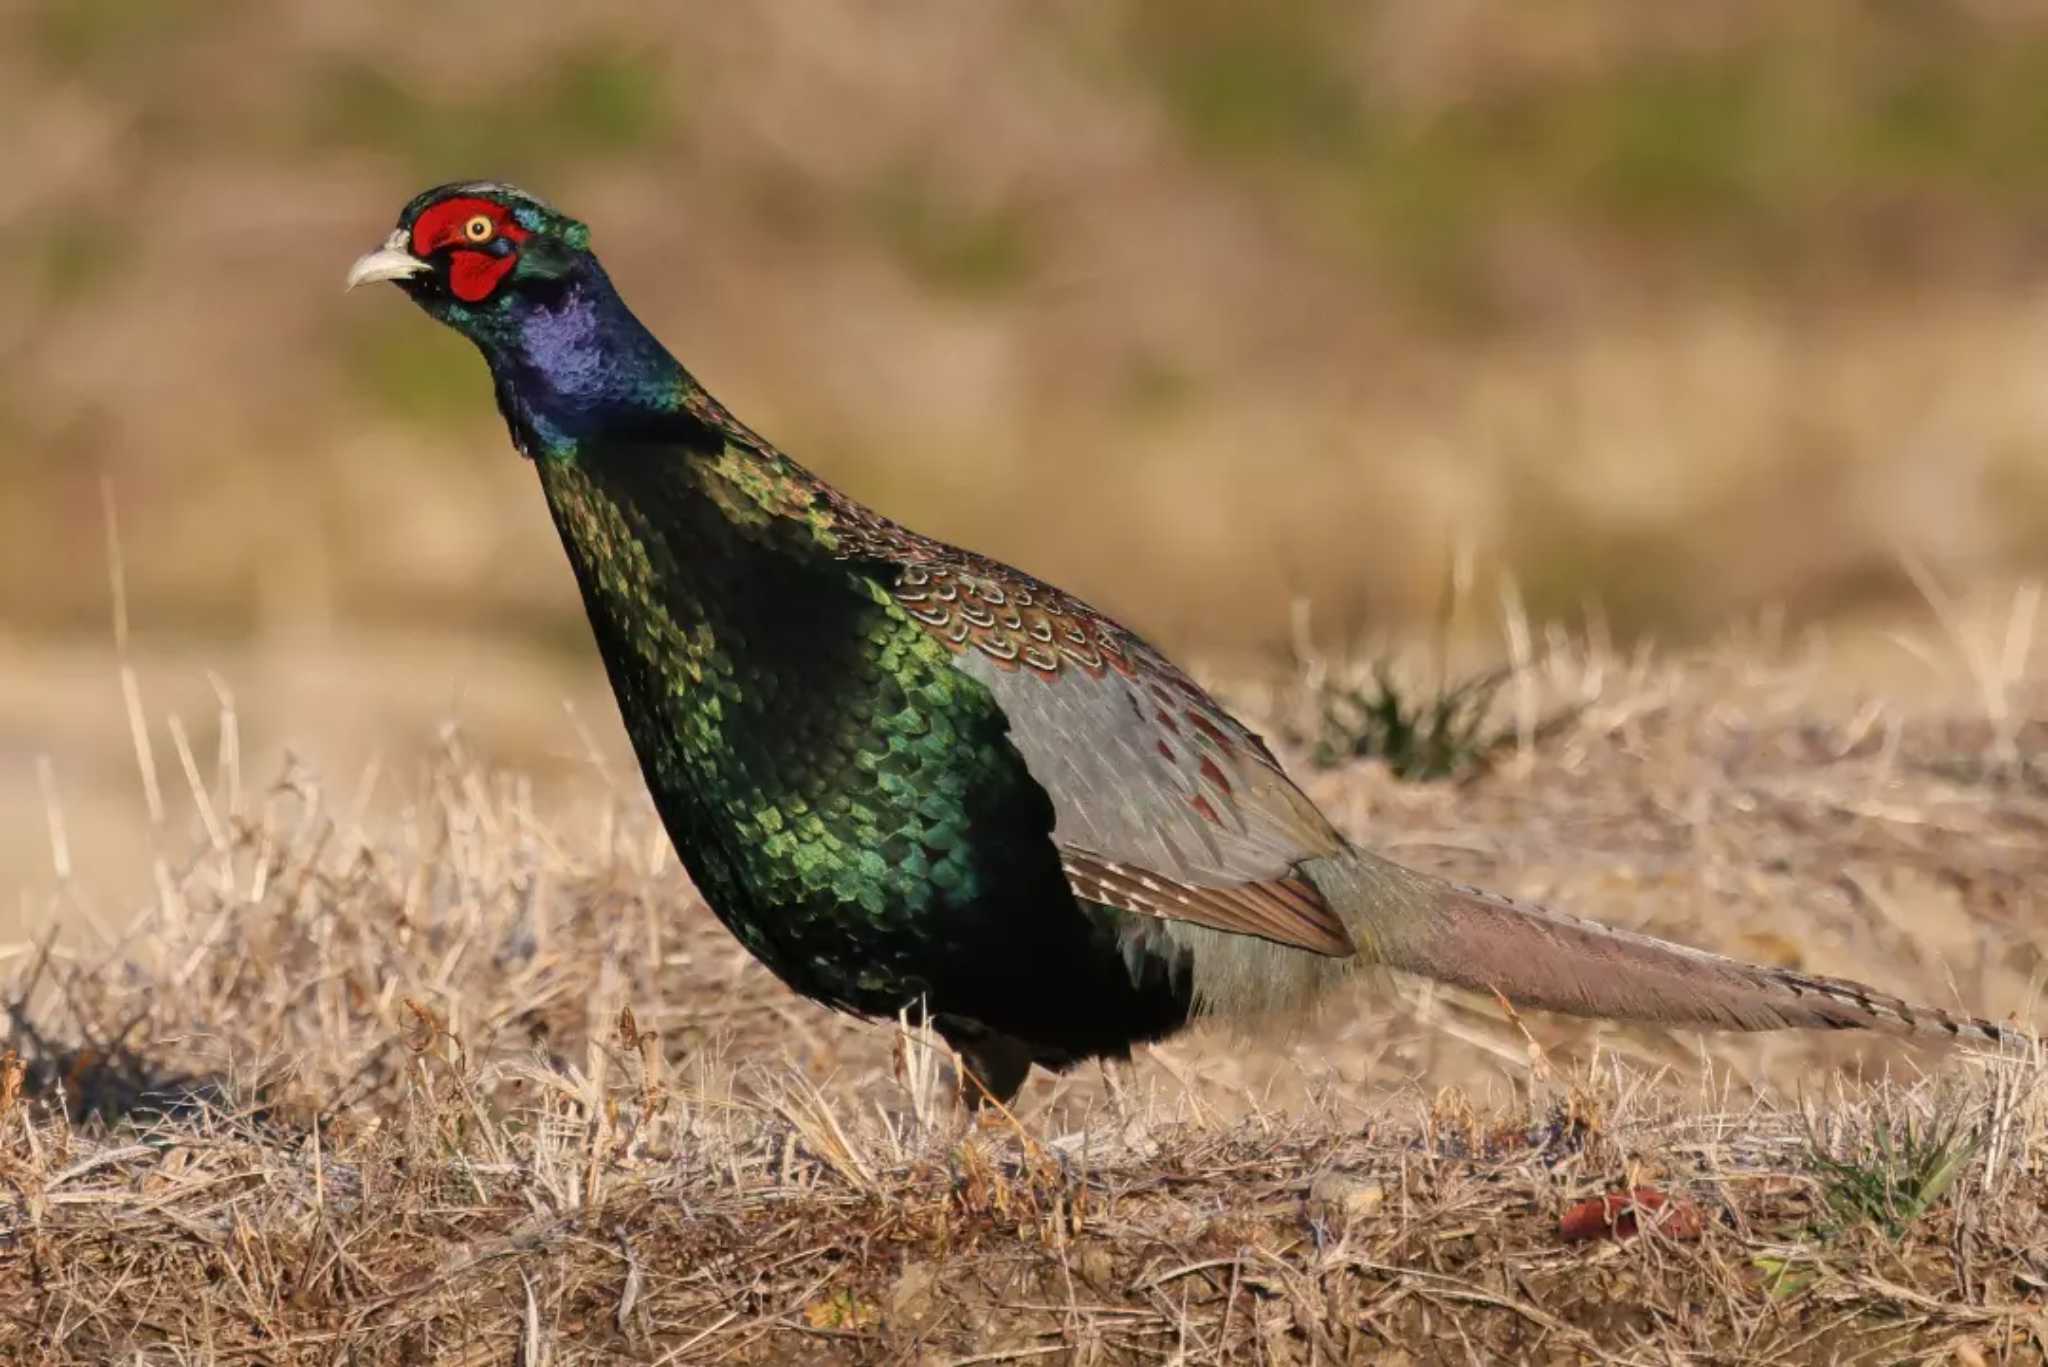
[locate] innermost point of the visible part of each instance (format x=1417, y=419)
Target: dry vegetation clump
x=466, y=1084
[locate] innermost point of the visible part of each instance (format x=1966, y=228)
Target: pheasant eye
x=479, y=229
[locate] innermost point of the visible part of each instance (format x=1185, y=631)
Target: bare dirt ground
x=447, y=1078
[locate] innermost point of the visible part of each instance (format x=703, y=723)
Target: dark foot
x=992, y=1067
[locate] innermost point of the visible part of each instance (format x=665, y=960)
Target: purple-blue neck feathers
x=572, y=365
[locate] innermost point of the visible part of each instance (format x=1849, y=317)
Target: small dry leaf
x=629, y=1029
x=12, y=1072
x=1346, y=1196
x=1453, y=1119
x=1508, y=1139
x=170, y=1172
x=1967, y=1352
x=841, y=1310
x=1098, y=1265
x=1613, y=1216
x=422, y=1027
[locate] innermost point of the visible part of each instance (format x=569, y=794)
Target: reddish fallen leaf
x=1613, y=1216
x=1508, y=1140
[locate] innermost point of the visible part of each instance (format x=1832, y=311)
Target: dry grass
x=448, y=1081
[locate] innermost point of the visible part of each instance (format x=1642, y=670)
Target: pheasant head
x=517, y=277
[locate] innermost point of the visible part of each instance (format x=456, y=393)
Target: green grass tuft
x=1896, y=1177
x=1448, y=735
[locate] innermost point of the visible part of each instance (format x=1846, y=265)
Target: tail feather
x=1536, y=957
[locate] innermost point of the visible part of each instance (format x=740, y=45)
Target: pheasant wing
x=1165, y=805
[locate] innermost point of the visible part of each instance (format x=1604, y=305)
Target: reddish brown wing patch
x=1288, y=911
x=1017, y=624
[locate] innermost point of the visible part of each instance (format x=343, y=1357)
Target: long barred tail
x=1536, y=957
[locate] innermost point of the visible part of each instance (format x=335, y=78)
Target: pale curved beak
x=389, y=262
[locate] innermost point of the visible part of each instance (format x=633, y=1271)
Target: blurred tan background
x=1201, y=309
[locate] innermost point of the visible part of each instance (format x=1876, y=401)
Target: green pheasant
x=908, y=776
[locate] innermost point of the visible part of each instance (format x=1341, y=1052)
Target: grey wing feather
x=1150, y=784
x=1124, y=786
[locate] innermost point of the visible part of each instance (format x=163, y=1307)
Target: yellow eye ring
x=480, y=228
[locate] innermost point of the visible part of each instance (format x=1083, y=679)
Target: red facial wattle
x=474, y=270
x=473, y=275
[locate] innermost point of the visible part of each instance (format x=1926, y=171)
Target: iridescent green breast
x=846, y=800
